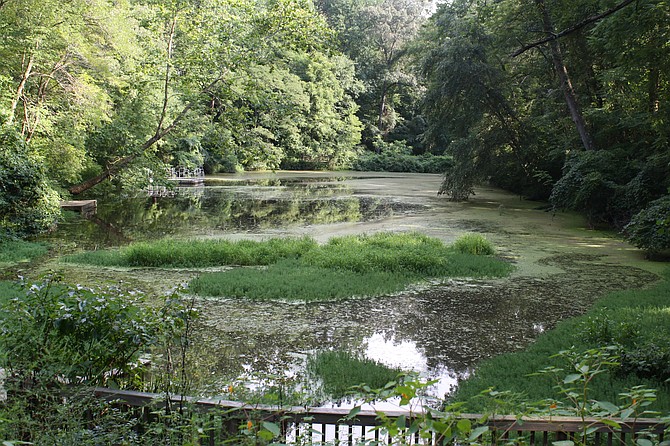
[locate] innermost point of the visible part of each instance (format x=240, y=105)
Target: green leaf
x=478, y=432
x=609, y=407
x=353, y=412
x=643, y=442
x=610, y=423
x=627, y=413
x=272, y=427
x=571, y=378
x=265, y=435
x=401, y=422
x=464, y=425
x=563, y=443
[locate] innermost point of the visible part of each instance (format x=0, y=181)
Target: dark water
x=234, y=207
x=440, y=330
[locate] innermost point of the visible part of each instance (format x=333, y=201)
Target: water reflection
x=213, y=210
x=441, y=331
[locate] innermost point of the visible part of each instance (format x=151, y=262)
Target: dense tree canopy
x=564, y=100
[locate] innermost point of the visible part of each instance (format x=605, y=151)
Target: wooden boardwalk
x=334, y=426
x=85, y=207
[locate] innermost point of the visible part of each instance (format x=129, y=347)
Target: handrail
x=549, y=428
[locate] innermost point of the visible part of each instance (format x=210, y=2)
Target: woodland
x=566, y=102
x=562, y=100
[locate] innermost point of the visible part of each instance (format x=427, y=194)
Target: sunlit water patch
x=441, y=331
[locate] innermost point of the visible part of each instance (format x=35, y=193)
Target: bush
x=475, y=244
x=650, y=228
x=56, y=339
x=28, y=204
x=395, y=158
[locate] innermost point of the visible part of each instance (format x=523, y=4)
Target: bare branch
x=573, y=28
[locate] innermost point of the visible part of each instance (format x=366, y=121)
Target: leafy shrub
x=52, y=333
x=475, y=244
x=57, y=339
x=650, y=228
x=28, y=204
x=594, y=183
x=396, y=157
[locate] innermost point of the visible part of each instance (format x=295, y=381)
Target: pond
x=441, y=329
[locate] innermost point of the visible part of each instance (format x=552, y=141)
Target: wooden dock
x=85, y=207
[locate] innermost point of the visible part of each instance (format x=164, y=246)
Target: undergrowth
x=13, y=251
x=636, y=323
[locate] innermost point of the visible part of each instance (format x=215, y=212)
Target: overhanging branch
x=573, y=28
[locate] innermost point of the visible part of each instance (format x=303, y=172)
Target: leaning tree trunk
x=566, y=85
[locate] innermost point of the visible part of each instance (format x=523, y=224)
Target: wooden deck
x=85, y=207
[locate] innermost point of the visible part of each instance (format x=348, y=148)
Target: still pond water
x=440, y=330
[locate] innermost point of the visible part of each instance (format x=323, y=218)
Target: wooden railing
x=311, y=425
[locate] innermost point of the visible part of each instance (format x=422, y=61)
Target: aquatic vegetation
x=168, y=253
x=290, y=280
x=298, y=268
x=341, y=371
x=475, y=244
x=635, y=322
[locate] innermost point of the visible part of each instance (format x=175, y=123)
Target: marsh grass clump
x=169, y=253
x=289, y=280
x=410, y=252
x=15, y=250
x=341, y=371
x=475, y=244
x=300, y=269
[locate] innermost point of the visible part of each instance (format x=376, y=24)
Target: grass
x=638, y=321
x=340, y=371
x=475, y=244
x=14, y=251
x=8, y=290
x=300, y=269
x=169, y=253
x=290, y=280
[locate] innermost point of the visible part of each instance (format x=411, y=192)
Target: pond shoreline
x=443, y=331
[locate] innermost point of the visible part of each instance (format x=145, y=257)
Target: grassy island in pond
x=300, y=269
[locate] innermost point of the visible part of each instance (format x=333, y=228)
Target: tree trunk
x=22, y=85
x=382, y=109
x=564, y=78
x=654, y=83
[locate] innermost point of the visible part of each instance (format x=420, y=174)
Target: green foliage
x=393, y=161
x=59, y=340
x=169, y=253
x=14, y=250
x=619, y=320
x=28, y=204
x=292, y=281
x=340, y=372
x=365, y=265
x=649, y=229
x=80, y=335
x=475, y=244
